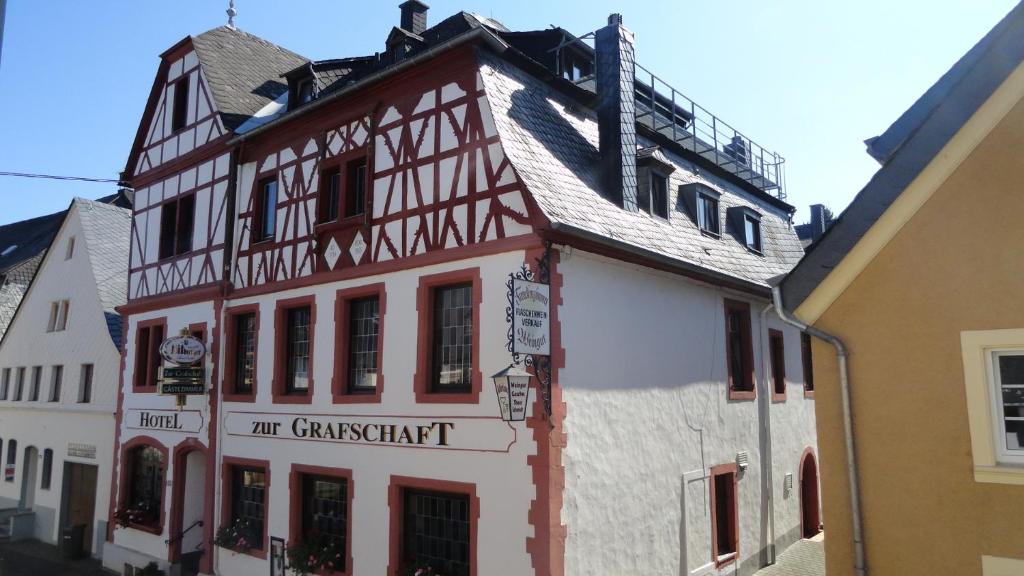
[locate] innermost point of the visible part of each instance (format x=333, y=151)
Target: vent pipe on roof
x=414, y=16
x=616, y=112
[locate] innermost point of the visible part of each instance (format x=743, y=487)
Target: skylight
x=9, y=249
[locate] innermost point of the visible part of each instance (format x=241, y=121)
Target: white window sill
x=999, y=475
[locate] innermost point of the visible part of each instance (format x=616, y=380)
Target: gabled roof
x=910, y=145
x=243, y=71
x=21, y=241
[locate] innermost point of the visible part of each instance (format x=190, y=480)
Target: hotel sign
x=531, y=317
x=431, y=433
x=190, y=421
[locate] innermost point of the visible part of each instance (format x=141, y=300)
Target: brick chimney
x=616, y=112
x=818, y=223
x=414, y=16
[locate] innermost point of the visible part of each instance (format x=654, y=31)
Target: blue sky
x=808, y=79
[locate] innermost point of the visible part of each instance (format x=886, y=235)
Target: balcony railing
x=668, y=112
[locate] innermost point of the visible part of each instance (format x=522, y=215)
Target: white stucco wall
x=648, y=415
x=55, y=425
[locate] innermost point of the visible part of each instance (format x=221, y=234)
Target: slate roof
x=29, y=238
x=107, y=231
x=909, y=146
x=243, y=71
x=553, y=146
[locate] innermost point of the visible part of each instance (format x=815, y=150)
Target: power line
x=52, y=177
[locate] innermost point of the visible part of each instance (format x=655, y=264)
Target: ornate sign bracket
x=541, y=365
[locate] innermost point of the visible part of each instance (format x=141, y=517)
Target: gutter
x=481, y=33
x=859, y=553
x=662, y=261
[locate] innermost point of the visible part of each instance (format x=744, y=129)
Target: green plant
x=239, y=536
x=125, y=516
x=316, y=552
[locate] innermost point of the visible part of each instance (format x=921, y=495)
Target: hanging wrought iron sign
x=528, y=315
x=531, y=327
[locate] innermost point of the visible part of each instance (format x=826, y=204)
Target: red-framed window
x=330, y=194
x=143, y=485
x=359, y=344
x=355, y=186
x=725, y=544
x=242, y=328
x=265, y=208
x=245, y=489
x=148, y=336
x=343, y=188
x=808, y=362
x=294, y=329
x=777, y=354
x=739, y=350
x=434, y=523
x=321, y=505
x=177, y=221
x=448, y=343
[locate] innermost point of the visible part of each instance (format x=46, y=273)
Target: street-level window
x=452, y=345
x=724, y=514
x=325, y=515
x=85, y=384
x=363, y=329
x=776, y=345
x=37, y=380
x=436, y=531
x=297, y=349
x=145, y=486
x=807, y=360
x=19, y=385
x=1008, y=395
x=244, y=351
x=5, y=383
x=12, y=458
x=248, y=503
x=739, y=350
x=147, y=355
x=57, y=380
x=177, y=219
x=44, y=482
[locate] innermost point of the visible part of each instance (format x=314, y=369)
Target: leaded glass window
x=364, y=327
x=248, y=503
x=437, y=531
x=146, y=488
x=453, y=338
x=325, y=513
x=298, y=348
x=245, y=352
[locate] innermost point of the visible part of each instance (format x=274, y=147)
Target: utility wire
x=52, y=177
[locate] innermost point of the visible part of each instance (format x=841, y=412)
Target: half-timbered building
x=341, y=234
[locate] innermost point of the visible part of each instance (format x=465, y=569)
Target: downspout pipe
x=767, y=451
x=859, y=553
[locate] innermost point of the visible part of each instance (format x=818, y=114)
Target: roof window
x=9, y=249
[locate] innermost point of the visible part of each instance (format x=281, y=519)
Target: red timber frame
x=425, y=340
x=342, y=307
x=278, y=386
x=152, y=355
x=228, y=464
x=296, y=500
x=724, y=469
x=127, y=470
x=396, y=507
x=231, y=313
x=746, y=380
x=777, y=358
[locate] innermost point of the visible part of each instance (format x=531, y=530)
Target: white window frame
x=1004, y=455
x=755, y=222
x=701, y=199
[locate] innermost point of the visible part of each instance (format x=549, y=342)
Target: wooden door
x=81, y=507
x=811, y=520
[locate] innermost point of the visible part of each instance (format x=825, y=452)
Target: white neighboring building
x=59, y=365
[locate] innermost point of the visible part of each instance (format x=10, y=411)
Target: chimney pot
x=818, y=223
x=615, y=19
x=414, y=16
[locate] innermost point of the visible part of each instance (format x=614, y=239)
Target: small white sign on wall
x=531, y=318
x=190, y=421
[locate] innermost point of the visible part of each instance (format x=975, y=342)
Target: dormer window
x=304, y=91
x=752, y=232
x=398, y=52
x=707, y=214
x=659, y=195
x=575, y=65
x=653, y=170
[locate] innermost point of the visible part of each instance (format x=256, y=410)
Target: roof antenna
x=231, y=14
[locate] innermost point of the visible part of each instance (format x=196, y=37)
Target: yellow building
x=922, y=281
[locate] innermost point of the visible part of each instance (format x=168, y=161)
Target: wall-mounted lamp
x=513, y=388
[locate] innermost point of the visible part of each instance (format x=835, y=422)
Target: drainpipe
x=859, y=554
x=768, y=462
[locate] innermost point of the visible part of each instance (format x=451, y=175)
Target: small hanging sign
x=531, y=317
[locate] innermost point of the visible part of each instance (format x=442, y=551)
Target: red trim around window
x=396, y=505
x=148, y=377
x=126, y=476
x=295, y=497
x=339, y=381
x=807, y=358
x=231, y=337
x=734, y=526
x=777, y=360
x=747, y=390
x=280, y=341
x=424, y=339
x=227, y=484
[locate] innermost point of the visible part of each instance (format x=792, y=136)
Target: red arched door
x=810, y=518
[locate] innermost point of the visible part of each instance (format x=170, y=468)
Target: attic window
x=575, y=66
x=659, y=195
x=707, y=214
x=70, y=252
x=304, y=92
x=9, y=249
x=180, y=117
x=752, y=232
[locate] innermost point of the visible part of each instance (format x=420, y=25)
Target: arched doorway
x=189, y=531
x=810, y=516
x=29, y=475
